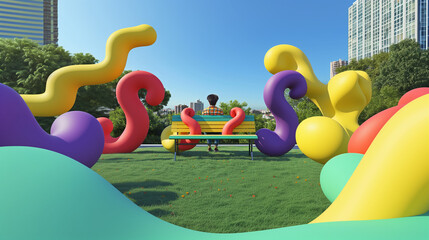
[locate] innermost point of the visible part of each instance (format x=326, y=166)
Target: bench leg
x=175, y=149
x=251, y=148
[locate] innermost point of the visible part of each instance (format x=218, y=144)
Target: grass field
x=219, y=192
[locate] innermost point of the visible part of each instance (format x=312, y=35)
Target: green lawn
x=219, y=192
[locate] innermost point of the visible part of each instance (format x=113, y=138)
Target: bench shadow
x=139, y=156
x=202, y=153
x=151, y=198
x=127, y=186
x=159, y=212
x=285, y=157
x=238, y=155
x=145, y=197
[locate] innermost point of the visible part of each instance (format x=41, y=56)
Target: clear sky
x=210, y=46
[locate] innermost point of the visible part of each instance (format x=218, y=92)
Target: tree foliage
x=372, y=66
x=304, y=107
x=404, y=68
x=26, y=66
x=157, y=123
x=261, y=122
x=227, y=106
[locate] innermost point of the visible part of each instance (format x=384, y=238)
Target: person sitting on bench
x=212, y=110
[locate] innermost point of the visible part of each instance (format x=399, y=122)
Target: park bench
x=213, y=124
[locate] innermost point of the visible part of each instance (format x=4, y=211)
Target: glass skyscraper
x=374, y=25
x=33, y=19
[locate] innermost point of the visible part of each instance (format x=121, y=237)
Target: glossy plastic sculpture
x=392, y=179
x=365, y=134
x=238, y=116
x=167, y=143
x=90, y=198
x=74, y=134
x=336, y=172
x=340, y=101
x=194, y=129
x=137, y=119
x=282, y=139
x=62, y=85
x=390, y=183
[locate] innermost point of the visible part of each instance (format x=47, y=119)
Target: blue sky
x=210, y=46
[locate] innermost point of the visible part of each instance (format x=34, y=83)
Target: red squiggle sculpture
x=366, y=133
x=238, y=117
x=135, y=113
x=194, y=128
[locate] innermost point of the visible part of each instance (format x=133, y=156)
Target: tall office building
x=197, y=106
x=374, y=25
x=335, y=65
x=179, y=108
x=33, y=19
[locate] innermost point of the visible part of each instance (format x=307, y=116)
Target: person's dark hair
x=212, y=98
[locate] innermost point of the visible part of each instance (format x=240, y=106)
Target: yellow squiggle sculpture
x=392, y=179
x=62, y=85
x=340, y=101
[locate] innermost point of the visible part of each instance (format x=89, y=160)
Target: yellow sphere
x=321, y=138
x=167, y=143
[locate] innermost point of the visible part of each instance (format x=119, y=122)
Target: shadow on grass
x=151, y=198
x=241, y=155
x=201, y=154
x=159, y=212
x=285, y=157
x=159, y=157
x=127, y=186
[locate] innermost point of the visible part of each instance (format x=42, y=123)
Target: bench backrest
x=213, y=123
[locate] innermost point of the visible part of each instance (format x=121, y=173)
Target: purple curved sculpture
x=282, y=139
x=75, y=134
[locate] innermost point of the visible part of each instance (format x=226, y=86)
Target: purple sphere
x=75, y=134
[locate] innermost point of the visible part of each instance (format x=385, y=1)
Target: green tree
x=261, y=122
x=117, y=117
x=96, y=100
x=142, y=94
x=83, y=58
x=26, y=65
x=304, y=107
x=157, y=123
x=386, y=97
x=404, y=68
x=167, y=96
x=372, y=66
x=226, y=107
x=407, y=67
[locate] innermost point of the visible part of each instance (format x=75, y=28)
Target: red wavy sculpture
x=135, y=113
x=366, y=133
x=238, y=117
x=194, y=128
